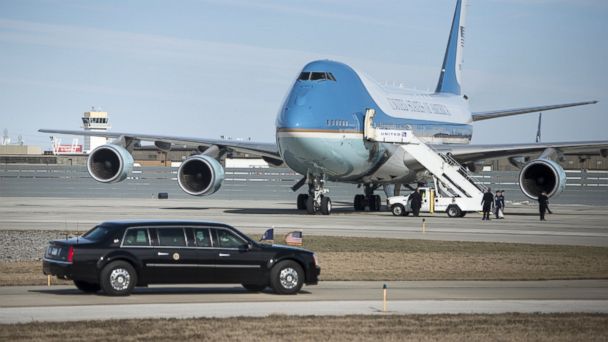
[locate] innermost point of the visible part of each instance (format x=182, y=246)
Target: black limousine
x=116, y=256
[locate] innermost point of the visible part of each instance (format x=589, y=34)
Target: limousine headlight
x=314, y=256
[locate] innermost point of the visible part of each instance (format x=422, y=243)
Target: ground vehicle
x=432, y=201
x=116, y=256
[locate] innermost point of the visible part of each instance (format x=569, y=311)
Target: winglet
x=451, y=70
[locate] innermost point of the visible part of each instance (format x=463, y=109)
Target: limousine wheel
x=254, y=287
x=86, y=286
x=287, y=277
x=118, y=278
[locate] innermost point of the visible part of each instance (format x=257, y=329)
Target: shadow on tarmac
x=184, y=208
x=173, y=290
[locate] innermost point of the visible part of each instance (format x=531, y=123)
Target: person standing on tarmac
x=487, y=201
x=416, y=202
x=543, y=202
x=499, y=205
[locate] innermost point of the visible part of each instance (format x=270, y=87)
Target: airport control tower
x=97, y=121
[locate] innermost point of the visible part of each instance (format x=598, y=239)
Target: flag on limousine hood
x=268, y=235
x=294, y=238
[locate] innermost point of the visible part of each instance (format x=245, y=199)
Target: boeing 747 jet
x=321, y=134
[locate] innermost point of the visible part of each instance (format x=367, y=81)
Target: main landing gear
x=374, y=202
x=315, y=201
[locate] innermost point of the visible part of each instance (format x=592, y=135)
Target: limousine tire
x=254, y=287
x=118, y=278
x=286, y=277
x=86, y=286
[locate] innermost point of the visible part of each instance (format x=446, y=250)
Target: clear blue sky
x=221, y=67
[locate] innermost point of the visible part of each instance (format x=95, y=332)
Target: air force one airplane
x=320, y=134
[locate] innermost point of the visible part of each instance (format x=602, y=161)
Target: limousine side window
x=171, y=237
x=228, y=240
x=202, y=238
x=136, y=237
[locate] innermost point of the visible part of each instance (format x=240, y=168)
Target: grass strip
x=501, y=327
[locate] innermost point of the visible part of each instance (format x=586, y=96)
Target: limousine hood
x=285, y=248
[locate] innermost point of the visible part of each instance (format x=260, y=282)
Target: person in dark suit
x=416, y=202
x=497, y=204
x=487, y=201
x=543, y=203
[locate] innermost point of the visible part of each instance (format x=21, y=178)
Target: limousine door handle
x=163, y=253
x=224, y=254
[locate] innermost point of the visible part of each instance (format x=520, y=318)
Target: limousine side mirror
x=246, y=247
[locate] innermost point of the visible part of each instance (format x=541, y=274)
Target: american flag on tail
x=294, y=238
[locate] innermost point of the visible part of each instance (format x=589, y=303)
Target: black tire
x=358, y=202
x=371, y=202
x=287, y=277
x=377, y=202
x=118, y=278
x=254, y=287
x=453, y=211
x=310, y=205
x=302, y=198
x=86, y=286
x=325, y=206
x=463, y=214
x=398, y=209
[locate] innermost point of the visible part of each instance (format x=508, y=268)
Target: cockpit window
x=316, y=76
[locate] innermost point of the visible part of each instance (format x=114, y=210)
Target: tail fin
x=451, y=71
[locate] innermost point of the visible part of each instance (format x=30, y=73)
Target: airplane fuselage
x=319, y=128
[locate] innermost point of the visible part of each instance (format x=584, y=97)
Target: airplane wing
x=469, y=153
x=478, y=116
x=268, y=150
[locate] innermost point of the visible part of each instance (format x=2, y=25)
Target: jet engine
x=110, y=163
x=542, y=175
x=200, y=175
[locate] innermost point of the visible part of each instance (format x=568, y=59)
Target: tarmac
x=21, y=304
x=569, y=225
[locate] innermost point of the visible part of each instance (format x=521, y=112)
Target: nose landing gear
x=315, y=201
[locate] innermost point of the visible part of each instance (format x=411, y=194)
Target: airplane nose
x=301, y=98
x=295, y=116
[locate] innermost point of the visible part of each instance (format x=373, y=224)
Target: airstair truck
x=434, y=201
x=455, y=190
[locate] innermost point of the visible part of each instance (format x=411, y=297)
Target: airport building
x=94, y=121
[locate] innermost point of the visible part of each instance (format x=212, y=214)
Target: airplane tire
x=358, y=202
x=302, y=198
x=310, y=205
x=377, y=202
x=325, y=206
x=371, y=202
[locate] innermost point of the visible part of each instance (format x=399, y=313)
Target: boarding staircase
x=453, y=179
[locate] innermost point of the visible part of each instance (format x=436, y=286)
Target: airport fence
x=21, y=180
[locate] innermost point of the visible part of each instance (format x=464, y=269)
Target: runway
x=570, y=225
x=65, y=303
